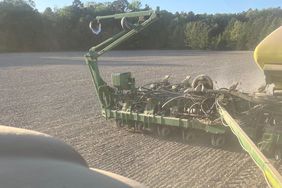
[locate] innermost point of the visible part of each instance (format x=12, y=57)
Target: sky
x=197, y=6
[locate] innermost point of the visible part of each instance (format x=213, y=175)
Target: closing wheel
x=218, y=140
x=188, y=136
x=119, y=123
x=164, y=131
x=138, y=127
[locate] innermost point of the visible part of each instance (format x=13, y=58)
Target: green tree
x=20, y=25
x=23, y=28
x=135, y=5
x=198, y=35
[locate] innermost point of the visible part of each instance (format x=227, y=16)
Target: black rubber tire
x=138, y=127
x=188, y=136
x=119, y=123
x=204, y=79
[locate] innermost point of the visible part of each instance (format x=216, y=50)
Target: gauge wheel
x=188, y=136
x=138, y=127
x=204, y=80
x=164, y=131
x=119, y=123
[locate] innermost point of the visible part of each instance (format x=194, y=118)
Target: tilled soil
x=53, y=93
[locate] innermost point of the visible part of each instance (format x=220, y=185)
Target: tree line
x=24, y=28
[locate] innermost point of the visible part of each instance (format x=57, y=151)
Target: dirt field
x=53, y=93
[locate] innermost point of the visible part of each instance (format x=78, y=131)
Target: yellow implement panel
x=269, y=51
